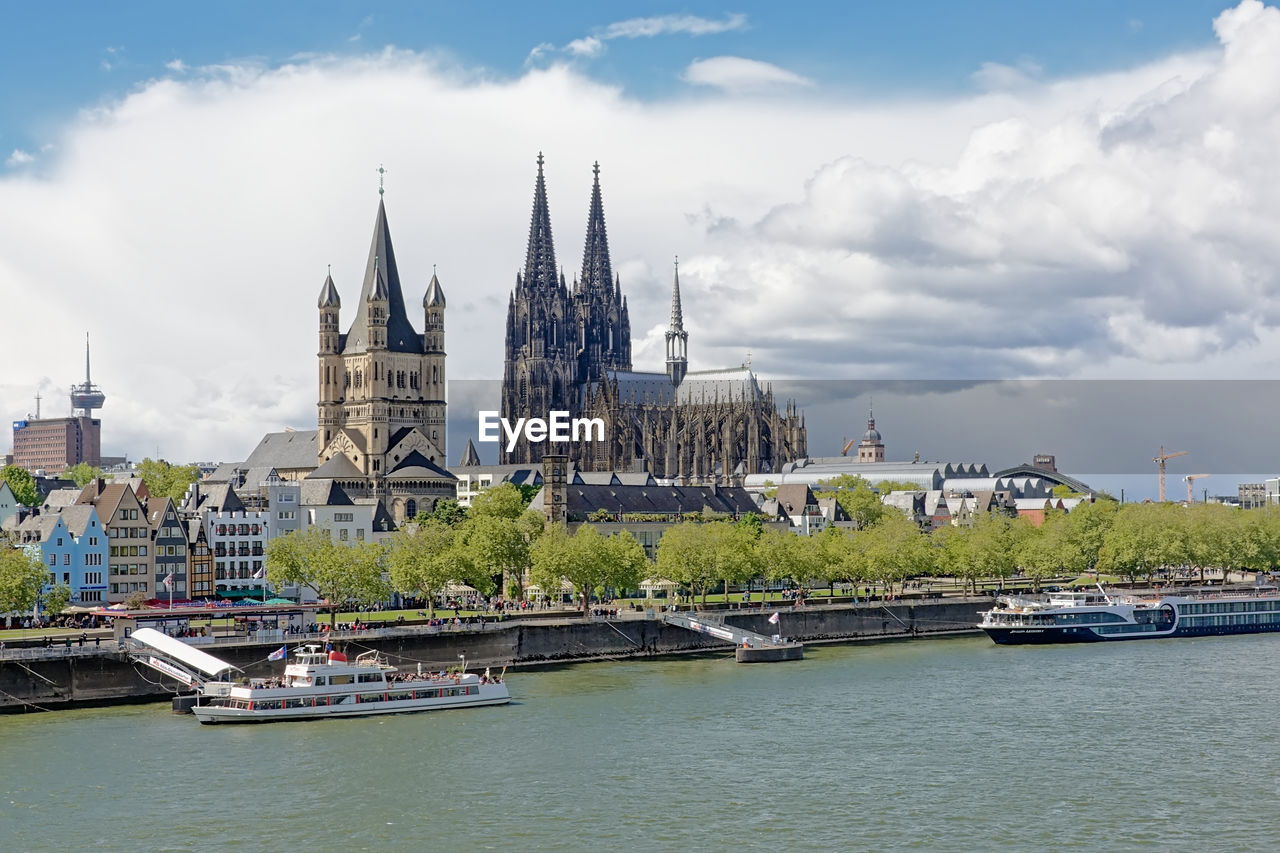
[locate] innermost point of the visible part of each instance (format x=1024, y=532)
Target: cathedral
x=381, y=420
x=568, y=348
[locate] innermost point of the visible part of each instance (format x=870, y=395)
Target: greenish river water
x=930, y=745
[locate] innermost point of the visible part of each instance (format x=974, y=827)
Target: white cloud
x=19, y=158
x=735, y=74
x=673, y=25
x=634, y=28
x=586, y=47
x=995, y=77
x=1116, y=224
x=176, y=65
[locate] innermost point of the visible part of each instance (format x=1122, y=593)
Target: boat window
x=368, y=677
x=340, y=679
x=320, y=680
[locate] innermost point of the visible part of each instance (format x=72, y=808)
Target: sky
x=978, y=191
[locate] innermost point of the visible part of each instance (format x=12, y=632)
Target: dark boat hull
x=1012, y=636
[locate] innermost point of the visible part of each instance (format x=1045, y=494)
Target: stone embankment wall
x=109, y=678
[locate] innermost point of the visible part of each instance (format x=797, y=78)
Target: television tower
x=86, y=397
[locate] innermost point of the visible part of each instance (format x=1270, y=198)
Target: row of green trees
x=499, y=538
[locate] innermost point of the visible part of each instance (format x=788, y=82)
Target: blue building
x=73, y=548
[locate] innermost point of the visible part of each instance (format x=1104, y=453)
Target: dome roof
x=871, y=434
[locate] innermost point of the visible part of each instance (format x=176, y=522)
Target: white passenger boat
x=1087, y=616
x=317, y=684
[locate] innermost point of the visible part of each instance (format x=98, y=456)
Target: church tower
x=871, y=448
x=677, y=337
x=604, y=329
x=543, y=347
x=382, y=384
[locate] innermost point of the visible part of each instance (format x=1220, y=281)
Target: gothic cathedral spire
x=677, y=337
x=597, y=271
x=540, y=259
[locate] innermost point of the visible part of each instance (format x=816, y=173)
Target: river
x=952, y=744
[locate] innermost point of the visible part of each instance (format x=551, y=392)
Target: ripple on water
x=937, y=745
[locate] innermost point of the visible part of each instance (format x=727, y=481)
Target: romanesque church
x=381, y=421
x=569, y=348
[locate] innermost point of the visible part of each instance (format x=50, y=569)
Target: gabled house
x=129, y=538
x=169, y=546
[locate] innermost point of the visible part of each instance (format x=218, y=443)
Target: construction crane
x=1190, y=481
x=1161, y=460
x=847, y=445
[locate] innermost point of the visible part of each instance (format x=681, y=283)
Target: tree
x=956, y=555
x=840, y=554
x=57, y=599
x=21, y=578
x=423, y=561
x=733, y=547
x=897, y=550
x=497, y=546
x=1144, y=538
x=776, y=554
x=587, y=560
x=446, y=511
x=856, y=498
x=165, y=480
x=1050, y=550
x=685, y=555
x=22, y=484
x=340, y=573
x=82, y=473
x=995, y=540
x=1088, y=524
x=501, y=501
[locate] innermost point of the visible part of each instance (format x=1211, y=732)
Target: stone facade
x=570, y=350
x=381, y=401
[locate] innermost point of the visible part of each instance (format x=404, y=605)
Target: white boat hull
x=490, y=694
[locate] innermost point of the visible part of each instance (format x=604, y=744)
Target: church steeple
x=677, y=337
x=540, y=259
x=381, y=272
x=597, y=272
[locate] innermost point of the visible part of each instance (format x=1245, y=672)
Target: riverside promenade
x=63, y=677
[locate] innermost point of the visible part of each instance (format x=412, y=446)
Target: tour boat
x=1088, y=616
x=318, y=684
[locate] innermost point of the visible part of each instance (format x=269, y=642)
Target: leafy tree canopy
x=21, y=578
x=82, y=473
x=22, y=484
x=165, y=480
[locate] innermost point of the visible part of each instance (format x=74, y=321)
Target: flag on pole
x=168, y=581
x=260, y=573
x=278, y=654
x=773, y=620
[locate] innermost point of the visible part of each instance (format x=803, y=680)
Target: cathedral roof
x=540, y=258
x=323, y=492
x=706, y=386
x=434, y=297
x=634, y=384
x=416, y=466
x=339, y=467
x=470, y=456
x=329, y=295
x=597, y=272
x=401, y=336
x=285, y=451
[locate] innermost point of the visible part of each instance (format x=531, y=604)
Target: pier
x=749, y=647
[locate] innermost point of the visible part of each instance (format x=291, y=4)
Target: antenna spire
x=381, y=172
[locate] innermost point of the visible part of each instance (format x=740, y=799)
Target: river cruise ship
x=317, y=684
x=1095, y=616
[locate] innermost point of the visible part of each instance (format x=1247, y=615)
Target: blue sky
x=856, y=191
x=56, y=64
